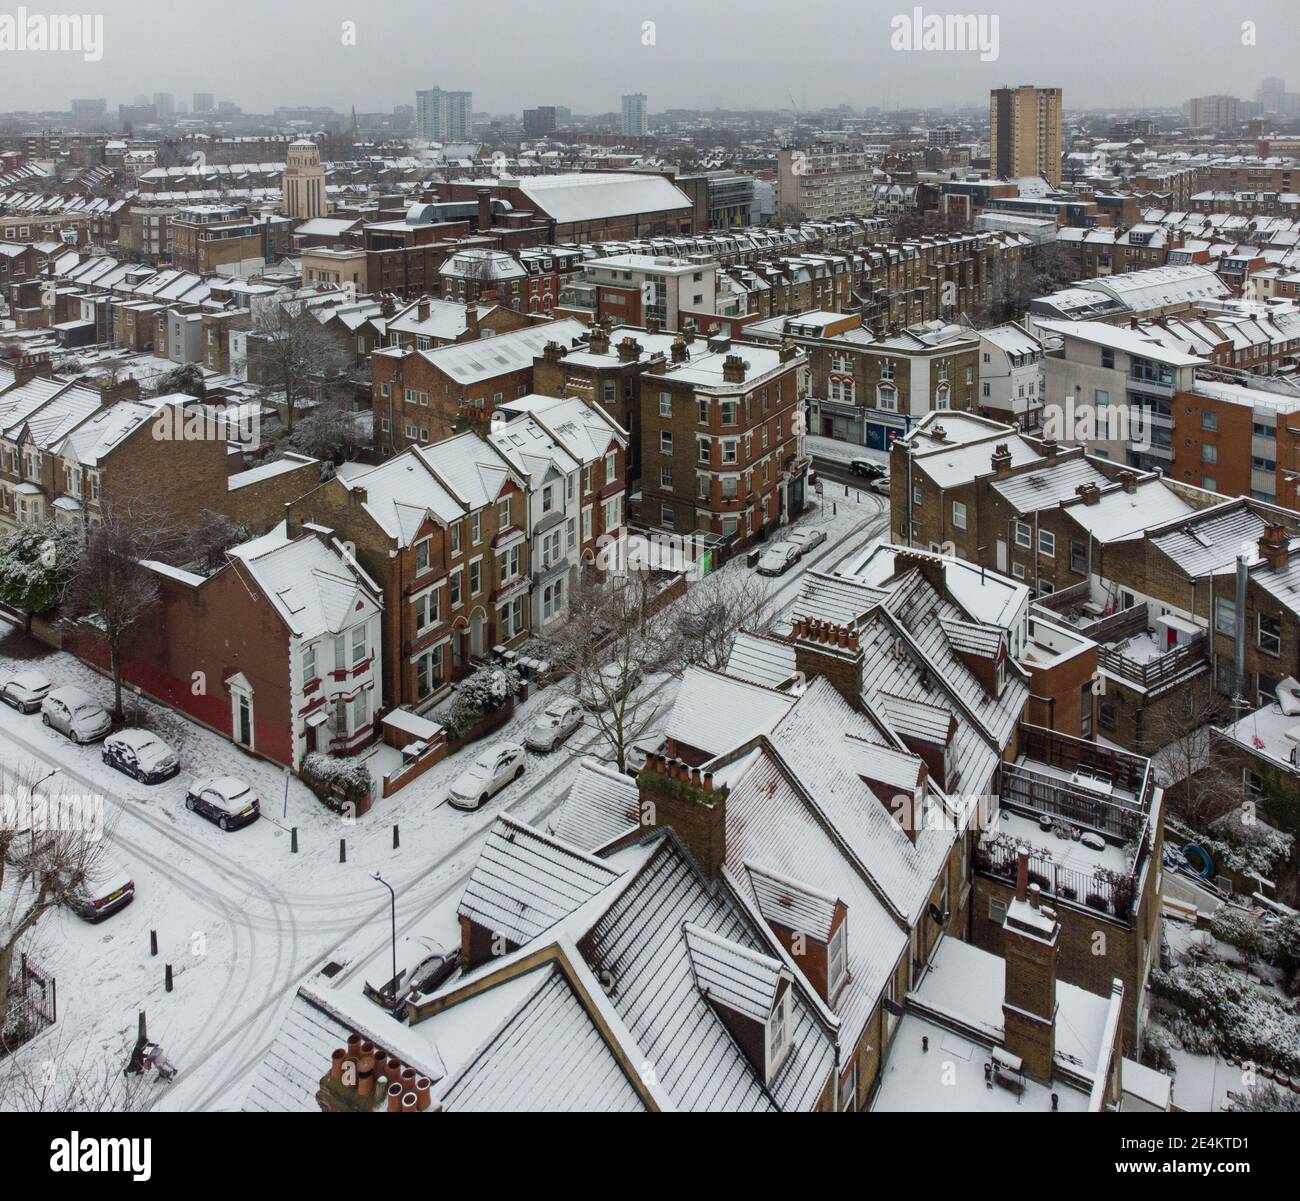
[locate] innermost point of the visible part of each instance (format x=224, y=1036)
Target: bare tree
x=67, y=1078
x=610, y=639
x=1201, y=781
x=211, y=535
x=708, y=618
x=293, y=352
x=110, y=592
x=329, y=432
x=50, y=847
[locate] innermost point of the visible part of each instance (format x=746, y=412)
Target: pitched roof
x=786, y=902
x=715, y=713
x=525, y=882
x=601, y=806
x=729, y=974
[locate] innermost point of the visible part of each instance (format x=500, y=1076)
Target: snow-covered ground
x=839, y=451
x=239, y=916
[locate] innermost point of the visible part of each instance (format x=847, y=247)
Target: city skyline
x=679, y=54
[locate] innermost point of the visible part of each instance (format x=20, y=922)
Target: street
x=239, y=916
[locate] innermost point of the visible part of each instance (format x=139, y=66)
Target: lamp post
x=393, y=914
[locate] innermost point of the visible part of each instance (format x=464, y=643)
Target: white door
x=1002, y=556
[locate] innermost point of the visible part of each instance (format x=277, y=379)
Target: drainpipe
x=1243, y=573
x=909, y=495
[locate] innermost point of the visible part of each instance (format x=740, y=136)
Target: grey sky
x=585, y=53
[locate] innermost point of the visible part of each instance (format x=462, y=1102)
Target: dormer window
x=837, y=960
x=778, y=1034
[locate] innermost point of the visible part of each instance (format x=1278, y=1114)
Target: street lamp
x=393, y=913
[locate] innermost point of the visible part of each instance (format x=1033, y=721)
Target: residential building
x=443, y=531
x=1011, y=383
x=824, y=180
x=1025, y=132
x=722, y=442
x=444, y=116
x=636, y=122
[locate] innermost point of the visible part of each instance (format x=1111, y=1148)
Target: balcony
x=1083, y=812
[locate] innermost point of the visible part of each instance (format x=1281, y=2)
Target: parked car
x=778, y=559
x=226, y=800
x=107, y=888
x=428, y=966
x=879, y=484
x=634, y=756
x=76, y=714
x=490, y=772
x=555, y=723
x=142, y=755
x=613, y=685
x=25, y=691
x=808, y=539
x=867, y=469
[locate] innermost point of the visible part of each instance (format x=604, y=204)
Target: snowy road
x=242, y=919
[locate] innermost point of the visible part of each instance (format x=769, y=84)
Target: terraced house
x=443, y=530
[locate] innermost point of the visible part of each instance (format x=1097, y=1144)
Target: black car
x=142, y=755
x=225, y=800
x=867, y=469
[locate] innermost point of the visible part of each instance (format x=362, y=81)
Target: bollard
x=397, y=837
x=835, y=507
x=343, y=850
x=167, y=978
x=846, y=489
x=293, y=841
x=153, y=942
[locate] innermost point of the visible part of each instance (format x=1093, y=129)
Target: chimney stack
x=629, y=349
x=471, y=318
x=733, y=369
x=822, y=648
x=422, y=309
x=1031, y=935
x=1273, y=546
x=1051, y=447
x=598, y=343
x=1089, y=492
x=552, y=352
x=684, y=798
x=680, y=353
x=484, y=209
x=1001, y=458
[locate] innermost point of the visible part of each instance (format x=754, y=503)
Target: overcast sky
x=585, y=53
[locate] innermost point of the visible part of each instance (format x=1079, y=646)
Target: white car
x=880, y=485
x=142, y=755
x=806, y=540
x=226, y=800
x=25, y=691
x=616, y=680
x=778, y=559
x=76, y=714
x=634, y=756
x=556, y=722
x=490, y=772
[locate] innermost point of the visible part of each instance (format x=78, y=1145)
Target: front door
x=243, y=720
x=476, y=635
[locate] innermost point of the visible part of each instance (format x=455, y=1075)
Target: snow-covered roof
x=601, y=806
x=596, y=196
x=313, y=588
x=715, y=713
x=744, y=980
x=485, y=358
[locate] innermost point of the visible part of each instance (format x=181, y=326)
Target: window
x=476, y=577
x=1108, y=358
x=958, y=515
x=548, y=502
x=665, y=448
x=778, y=1033
x=358, y=643
x=428, y=673
x=570, y=534
x=666, y=516
x=454, y=587
x=917, y=494
x=703, y=411
x=1018, y=570
x=1266, y=688
x=360, y=711
x=586, y=479
x=475, y=528
x=997, y=911
x=1209, y=420
x=1270, y=634
x=552, y=600
x=455, y=538
x=422, y=556
x=611, y=468
x=508, y=564
x=1209, y=453
x=1078, y=558
x=728, y=408
x=1085, y=710
x=729, y=450
x=836, y=960
x=665, y=404
x=666, y=478
x=308, y=664
x=1225, y=615
x=1024, y=535
x=586, y=523
x=503, y=514
x=849, y=1090
x=1047, y=543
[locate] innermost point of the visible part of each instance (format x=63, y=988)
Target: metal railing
x=1163, y=669
x=1105, y=891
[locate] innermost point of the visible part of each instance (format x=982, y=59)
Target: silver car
x=554, y=724
x=76, y=714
